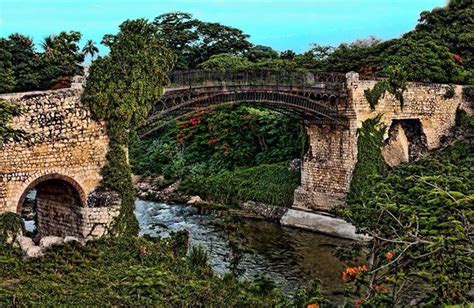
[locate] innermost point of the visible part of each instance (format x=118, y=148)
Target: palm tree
x=48, y=44
x=90, y=48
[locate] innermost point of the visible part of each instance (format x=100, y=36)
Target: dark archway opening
x=49, y=204
x=417, y=143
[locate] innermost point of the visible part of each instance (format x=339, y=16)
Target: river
x=290, y=257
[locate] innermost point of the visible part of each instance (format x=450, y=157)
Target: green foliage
x=7, y=111
x=121, y=89
x=210, y=141
x=198, y=257
x=464, y=120
x=195, y=41
x=224, y=62
x=370, y=162
x=419, y=215
x=438, y=50
x=263, y=285
x=11, y=224
x=271, y=184
x=120, y=272
x=310, y=295
x=450, y=92
x=373, y=95
x=259, y=52
x=90, y=48
x=22, y=68
x=395, y=84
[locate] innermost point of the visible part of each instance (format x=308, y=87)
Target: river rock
x=69, y=239
x=49, y=241
x=321, y=223
x=28, y=247
x=195, y=200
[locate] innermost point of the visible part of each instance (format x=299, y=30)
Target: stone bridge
x=60, y=161
x=67, y=148
x=333, y=107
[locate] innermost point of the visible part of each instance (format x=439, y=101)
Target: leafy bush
x=11, y=225
x=271, y=184
x=419, y=215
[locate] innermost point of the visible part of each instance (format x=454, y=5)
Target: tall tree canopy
x=121, y=89
x=195, y=41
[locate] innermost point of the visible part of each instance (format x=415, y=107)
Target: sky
x=281, y=24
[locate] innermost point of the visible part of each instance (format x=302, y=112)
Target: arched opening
x=49, y=205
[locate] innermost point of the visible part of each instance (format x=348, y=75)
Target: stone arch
x=48, y=177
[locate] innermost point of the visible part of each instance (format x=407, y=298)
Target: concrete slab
x=321, y=223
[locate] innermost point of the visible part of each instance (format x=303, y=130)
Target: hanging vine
x=395, y=84
x=120, y=90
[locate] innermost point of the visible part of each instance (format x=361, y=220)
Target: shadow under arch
x=53, y=177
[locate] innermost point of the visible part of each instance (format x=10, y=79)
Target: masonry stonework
x=328, y=165
x=64, y=144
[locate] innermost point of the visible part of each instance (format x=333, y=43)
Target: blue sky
x=281, y=24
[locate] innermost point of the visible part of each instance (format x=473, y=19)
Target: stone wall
x=64, y=143
x=328, y=165
x=423, y=101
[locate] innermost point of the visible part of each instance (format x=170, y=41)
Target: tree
x=224, y=62
x=178, y=32
x=260, y=52
x=62, y=61
x=48, y=44
x=7, y=78
x=90, y=48
x=195, y=41
x=121, y=89
x=24, y=61
x=288, y=55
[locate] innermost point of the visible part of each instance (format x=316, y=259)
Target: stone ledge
x=320, y=223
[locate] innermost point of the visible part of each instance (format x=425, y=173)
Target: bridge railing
x=209, y=78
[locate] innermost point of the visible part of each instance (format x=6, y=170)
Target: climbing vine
x=9, y=110
x=395, y=84
x=370, y=162
x=120, y=90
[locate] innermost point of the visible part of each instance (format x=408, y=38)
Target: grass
x=120, y=272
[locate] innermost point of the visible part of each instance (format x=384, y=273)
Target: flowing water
x=290, y=257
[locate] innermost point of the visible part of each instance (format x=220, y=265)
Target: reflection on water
x=290, y=257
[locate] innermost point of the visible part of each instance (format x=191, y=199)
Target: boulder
x=195, y=200
x=49, y=241
x=28, y=247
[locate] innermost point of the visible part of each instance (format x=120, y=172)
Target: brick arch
x=52, y=176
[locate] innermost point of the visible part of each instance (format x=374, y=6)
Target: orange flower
x=389, y=255
x=344, y=276
x=312, y=306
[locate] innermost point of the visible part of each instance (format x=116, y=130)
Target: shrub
x=11, y=225
x=272, y=184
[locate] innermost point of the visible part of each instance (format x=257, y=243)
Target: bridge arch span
x=57, y=178
x=319, y=108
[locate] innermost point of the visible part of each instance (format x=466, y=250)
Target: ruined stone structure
x=426, y=116
x=61, y=159
x=66, y=148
